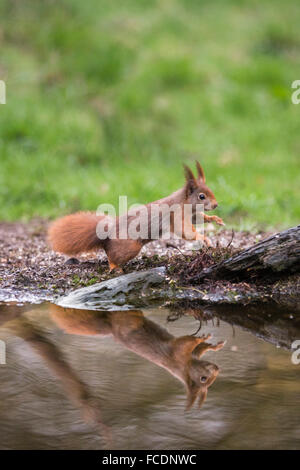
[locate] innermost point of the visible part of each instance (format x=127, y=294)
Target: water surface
x=94, y=380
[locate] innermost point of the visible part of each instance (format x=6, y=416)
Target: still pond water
x=76, y=379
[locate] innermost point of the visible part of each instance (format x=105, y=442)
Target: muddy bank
x=28, y=266
x=31, y=272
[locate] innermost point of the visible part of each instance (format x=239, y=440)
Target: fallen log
x=277, y=255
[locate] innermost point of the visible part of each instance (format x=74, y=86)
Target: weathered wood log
x=278, y=254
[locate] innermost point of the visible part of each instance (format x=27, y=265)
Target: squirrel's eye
x=203, y=379
x=201, y=196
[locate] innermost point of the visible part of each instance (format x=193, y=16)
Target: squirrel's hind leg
x=119, y=252
x=115, y=268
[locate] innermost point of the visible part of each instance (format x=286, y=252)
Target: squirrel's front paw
x=207, y=241
x=217, y=219
x=205, y=337
x=220, y=345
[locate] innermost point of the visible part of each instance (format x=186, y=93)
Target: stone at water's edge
x=120, y=293
x=148, y=288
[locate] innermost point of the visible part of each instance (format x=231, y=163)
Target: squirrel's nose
x=215, y=205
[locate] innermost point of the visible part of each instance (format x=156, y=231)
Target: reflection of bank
x=2, y=352
x=253, y=402
x=2, y=92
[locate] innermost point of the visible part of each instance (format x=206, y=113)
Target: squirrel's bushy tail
x=75, y=233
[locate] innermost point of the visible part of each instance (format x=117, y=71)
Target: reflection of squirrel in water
x=179, y=356
x=76, y=233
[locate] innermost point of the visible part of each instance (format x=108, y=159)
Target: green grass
x=110, y=97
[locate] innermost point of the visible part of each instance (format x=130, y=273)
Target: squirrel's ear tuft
x=201, y=175
x=191, y=182
x=202, y=396
x=192, y=393
x=188, y=173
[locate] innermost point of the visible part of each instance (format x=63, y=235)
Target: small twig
x=232, y=237
x=170, y=245
x=199, y=328
x=174, y=317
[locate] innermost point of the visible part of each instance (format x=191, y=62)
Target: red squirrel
x=77, y=233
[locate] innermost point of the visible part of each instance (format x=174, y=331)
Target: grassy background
x=110, y=97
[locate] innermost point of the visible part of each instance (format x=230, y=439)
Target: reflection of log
x=267, y=321
x=279, y=253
